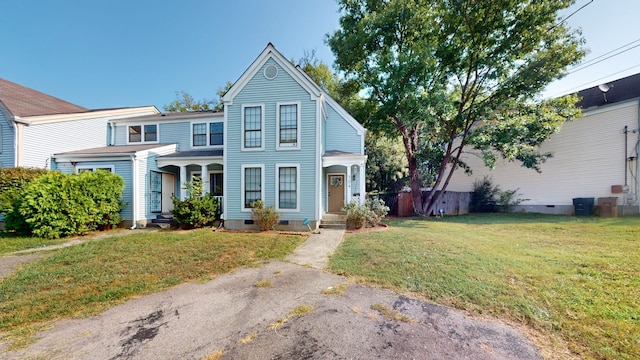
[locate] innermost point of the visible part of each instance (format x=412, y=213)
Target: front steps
x=164, y=221
x=334, y=221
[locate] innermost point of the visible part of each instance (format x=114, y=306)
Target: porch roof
x=191, y=157
x=195, y=153
x=112, y=150
x=336, y=157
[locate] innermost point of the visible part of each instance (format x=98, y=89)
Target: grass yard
x=574, y=282
x=86, y=279
x=10, y=242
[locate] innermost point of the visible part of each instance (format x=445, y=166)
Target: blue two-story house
x=281, y=139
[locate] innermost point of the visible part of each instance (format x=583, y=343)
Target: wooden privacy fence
x=451, y=203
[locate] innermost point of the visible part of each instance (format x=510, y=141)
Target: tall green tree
x=184, y=102
x=448, y=74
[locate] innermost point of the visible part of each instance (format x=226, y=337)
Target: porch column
x=348, y=183
x=183, y=178
x=363, y=187
x=205, y=178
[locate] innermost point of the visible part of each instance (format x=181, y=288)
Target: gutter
x=134, y=205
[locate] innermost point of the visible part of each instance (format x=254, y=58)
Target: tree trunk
x=414, y=180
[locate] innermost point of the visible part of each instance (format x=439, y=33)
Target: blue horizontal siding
x=7, y=153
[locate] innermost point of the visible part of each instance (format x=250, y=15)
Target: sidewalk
x=316, y=250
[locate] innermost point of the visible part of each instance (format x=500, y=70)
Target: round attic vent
x=270, y=72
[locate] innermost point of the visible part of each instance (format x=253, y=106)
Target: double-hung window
x=252, y=127
x=288, y=184
x=89, y=168
x=207, y=134
x=142, y=133
x=288, y=134
x=252, y=185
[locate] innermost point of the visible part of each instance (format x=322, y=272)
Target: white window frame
x=208, y=135
x=242, y=183
x=295, y=146
x=298, y=192
x=262, y=129
x=94, y=168
x=142, y=134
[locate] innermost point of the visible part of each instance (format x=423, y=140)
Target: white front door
x=168, y=191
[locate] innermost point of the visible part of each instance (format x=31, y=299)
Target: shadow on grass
x=515, y=218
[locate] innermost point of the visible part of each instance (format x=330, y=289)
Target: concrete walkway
x=316, y=250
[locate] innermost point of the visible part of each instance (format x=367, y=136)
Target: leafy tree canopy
x=446, y=74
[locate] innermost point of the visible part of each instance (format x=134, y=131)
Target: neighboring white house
x=595, y=156
x=280, y=139
x=34, y=125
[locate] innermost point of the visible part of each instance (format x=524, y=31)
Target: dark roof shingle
x=23, y=101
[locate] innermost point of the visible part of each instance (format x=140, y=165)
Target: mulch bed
x=380, y=227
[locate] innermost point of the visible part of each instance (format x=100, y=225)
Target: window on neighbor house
x=288, y=125
x=211, y=132
x=253, y=127
x=252, y=185
x=288, y=187
x=143, y=133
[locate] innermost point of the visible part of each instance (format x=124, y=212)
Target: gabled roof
x=270, y=52
x=616, y=91
x=23, y=101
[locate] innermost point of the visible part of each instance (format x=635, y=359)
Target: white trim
x=318, y=159
x=242, y=182
x=224, y=164
x=298, y=192
x=262, y=129
x=265, y=72
x=207, y=134
x=170, y=118
x=606, y=108
x=45, y=119
x=295, y=146
x=142, y=134
x=270, y=52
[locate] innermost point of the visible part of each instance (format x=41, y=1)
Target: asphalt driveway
x=233, y=316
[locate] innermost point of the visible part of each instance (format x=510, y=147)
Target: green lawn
x=9, y=242
x=85, y=279
x=569, y=280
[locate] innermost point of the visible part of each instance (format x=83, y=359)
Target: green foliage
x=12, y=182
x=483, y=196
x=448, y=74
x=265, y=217
x=486, y=197
x=56, y=205
x=184, y=102
x=196, y=211
x=386, y=163
x=370, y=213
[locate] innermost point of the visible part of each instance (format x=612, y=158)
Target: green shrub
x=376, y=210
x=489, y=198
x=56, y=205
x=483, y=196
x=196, y=211
x=265, y=217
x=12, y=182
x=356, y=214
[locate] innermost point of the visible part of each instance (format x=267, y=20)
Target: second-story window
x=253, y=127
x=142, y=133
x=207, y=134
x=288, y=137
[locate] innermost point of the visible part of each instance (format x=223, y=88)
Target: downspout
x=112, y=135
x=134, y=205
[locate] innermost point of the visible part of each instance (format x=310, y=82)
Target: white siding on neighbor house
x=339, y=134
x=42, y=141
x=7, y=152
x=589, y=157
x=259, y=90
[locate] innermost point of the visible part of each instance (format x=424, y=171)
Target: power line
x=581, y=87
x=599, y=61
x=570, y=15
x=605, y=54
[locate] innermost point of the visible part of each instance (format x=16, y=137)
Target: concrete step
x=334, y=221
x=324, y=225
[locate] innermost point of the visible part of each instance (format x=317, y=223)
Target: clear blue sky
x=116, y=53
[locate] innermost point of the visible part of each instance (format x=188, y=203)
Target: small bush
x=356, y=214
x=489, y=198
x=376, y=211
x=265, y=217
x=196, y=211
x=370, y=213
x=483, y=196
